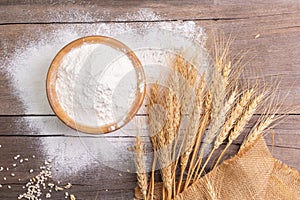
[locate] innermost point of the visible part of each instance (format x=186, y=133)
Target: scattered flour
x=28, y=65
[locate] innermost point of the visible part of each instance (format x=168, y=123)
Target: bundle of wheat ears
x=203, y=114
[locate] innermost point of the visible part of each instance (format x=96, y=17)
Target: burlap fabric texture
x=252, y=174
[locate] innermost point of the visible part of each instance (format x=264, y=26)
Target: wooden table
x=275, y=54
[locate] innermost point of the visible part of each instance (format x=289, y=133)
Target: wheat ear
x=164, y=140
x=153, y=124
x=241, y=123
x=185, y=79
x=204, y=122
x=140, y=167
x=233, y=116
x=257, y=130
x=218, y=112
x=190, y=136
x=172, y=123
x=174, y=86
x=264, y=123
x=223, y=134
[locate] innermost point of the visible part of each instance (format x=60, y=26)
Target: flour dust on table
x=28, y=65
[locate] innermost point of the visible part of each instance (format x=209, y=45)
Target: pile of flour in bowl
x=87, y=84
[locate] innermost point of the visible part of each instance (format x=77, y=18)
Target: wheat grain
x=230, y=100
x=154, y=93
x=72, y=197
x=176, y=113
x=226, y=72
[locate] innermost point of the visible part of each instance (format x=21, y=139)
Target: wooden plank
x=90, y=180
x=273, y=57
x=286, y=132
x=91, y=11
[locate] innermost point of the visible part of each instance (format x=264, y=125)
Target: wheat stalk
x=152, y=181
x=164, y=158
x=141, y=169
x=220, y=81
x=172, y=123
x=174, y=85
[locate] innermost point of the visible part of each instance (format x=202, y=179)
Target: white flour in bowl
x=87, y=84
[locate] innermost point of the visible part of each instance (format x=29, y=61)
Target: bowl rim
x=52, y=76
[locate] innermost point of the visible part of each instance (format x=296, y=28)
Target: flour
x=67, y=87
x=28, y=64
x=87, y=80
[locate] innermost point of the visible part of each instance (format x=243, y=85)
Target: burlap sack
x=252, y=174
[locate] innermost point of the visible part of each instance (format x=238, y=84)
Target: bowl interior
x=53, y=74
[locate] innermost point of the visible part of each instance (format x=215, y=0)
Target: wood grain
x=272, y=57
x=62, y=11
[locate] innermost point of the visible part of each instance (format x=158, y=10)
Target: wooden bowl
x=52, y=77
